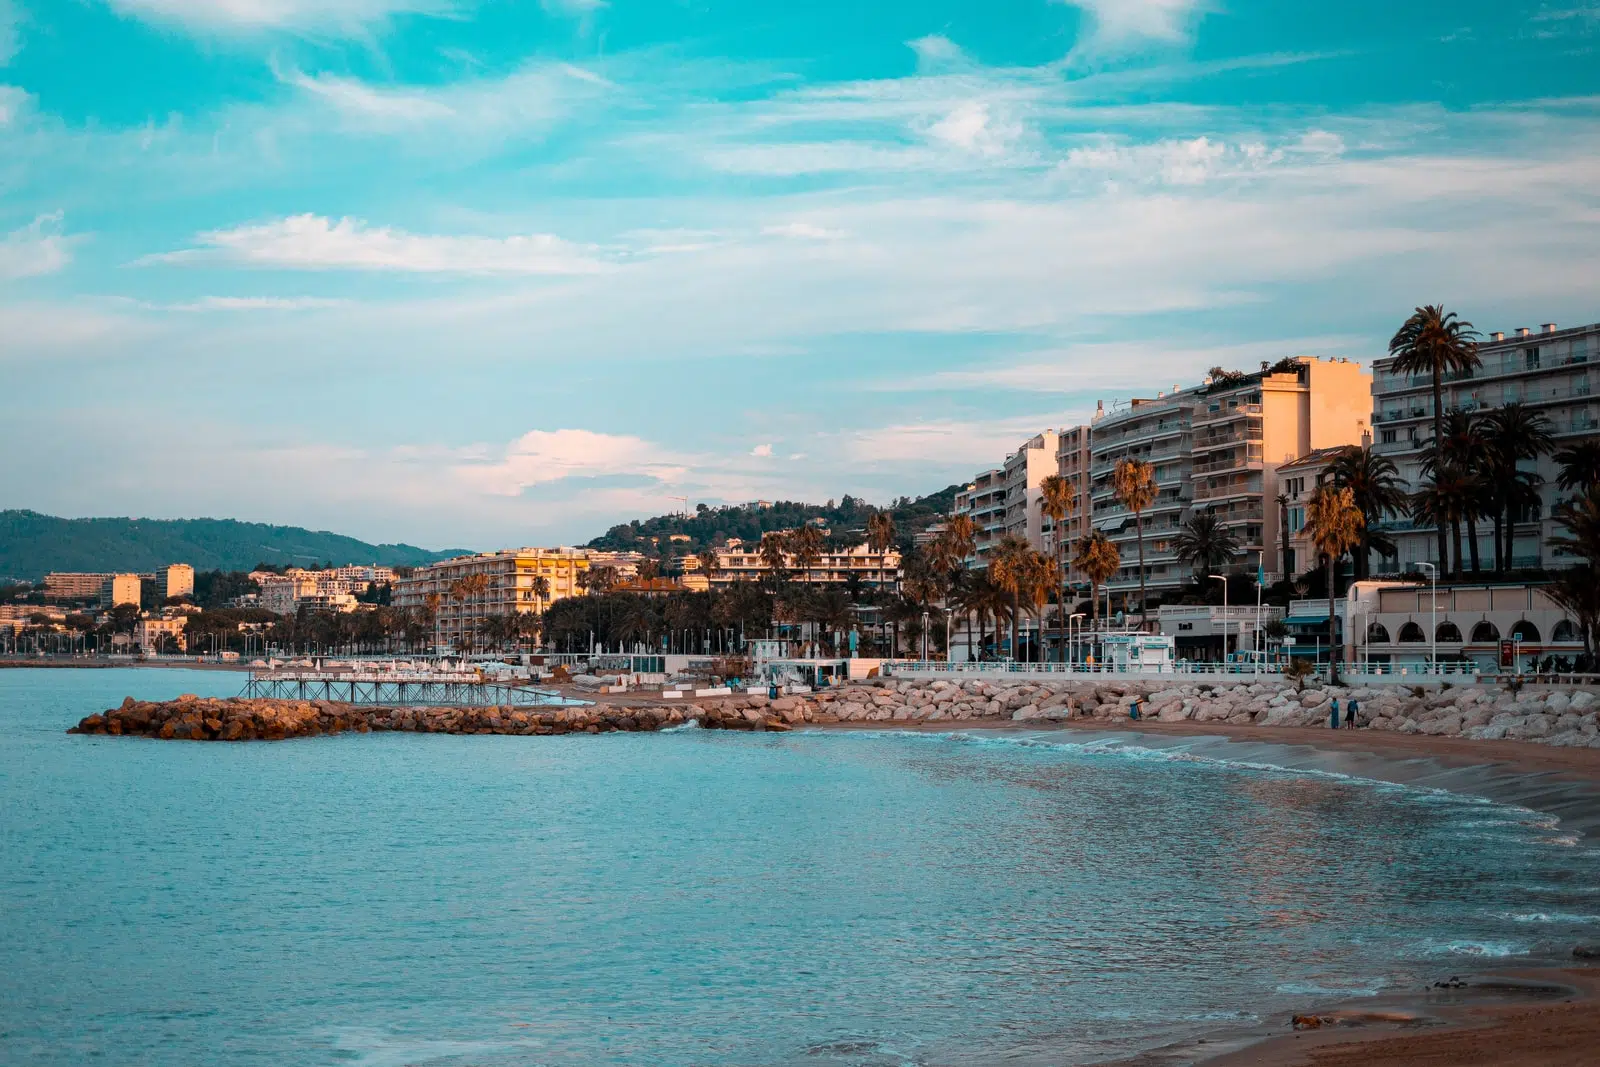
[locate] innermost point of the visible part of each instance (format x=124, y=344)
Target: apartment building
x=120, y=589
x=1073, y=463
x=741, y=560
x=1217, y=448
x=1158, y=431
x=1297, y=480
x=510, y=584
x=171, y=581
x=162, y=633
x=65, y=585
x=1025, y=471
x=984, y=502
x=1549, y=370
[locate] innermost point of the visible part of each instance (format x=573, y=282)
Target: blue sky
x=489, y=272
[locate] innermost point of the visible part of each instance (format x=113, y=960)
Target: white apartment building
x=1217, y=448
x=1025, y=470
x=740, y=560
x=1548, y=370
x=1072, y=463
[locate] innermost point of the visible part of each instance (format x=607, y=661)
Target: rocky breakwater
x=1543, y=715
x=191, y=718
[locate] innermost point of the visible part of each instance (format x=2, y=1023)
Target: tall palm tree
x=963, y=534
x=1459, y=454
x=1375, y=483
x=710, y=564
x=1008, y=568
x=1041, y=574
x=773, y=558
x=1579, y=520
x=880, y=538
x=805, y=545
x=1578, y=591
x=541, y=592
x=1449, y=494
x=1134, y=483
x=1510, y=434
x=1100, y=561
x=1334, y=523
x=1204, y=543
x=1434, y=341
x=1057, y=499
x=1580, y=465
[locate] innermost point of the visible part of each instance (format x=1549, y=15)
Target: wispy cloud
x=1123, y=25
x=541, y=456
x=253, y=303
x=312, y=242
x=10, y=32
x=235, y=16
x=37, y=248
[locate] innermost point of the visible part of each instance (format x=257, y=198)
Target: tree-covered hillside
x=846, y=520
x=31, y=545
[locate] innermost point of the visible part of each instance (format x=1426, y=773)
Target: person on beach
x=1333, y=713
x=1350, y=714
x=1133, y=710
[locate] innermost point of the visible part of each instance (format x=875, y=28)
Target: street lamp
x=1223, y=578
x=924, y=637
x=1433, y=597
x=1072, y=644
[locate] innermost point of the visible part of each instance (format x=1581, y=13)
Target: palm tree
x=1008, y=569
x=1057, y=499
x=1204, y=543
x=541, y=592
x=772, y=556
x=1578, y=591
x=1375, y=483
x=831, y=611
x=1041, y=575
x=1335, y=524
x=1459, y=454
x=805, y=545
x=1448, y=495
x=963, y=534
x=1510, y=434
x=1580, y=519
x=1433, y=341
x=710, y=564
x=1134, y=482
x=1100, y=561
x=880, y=538
x=1580, y=465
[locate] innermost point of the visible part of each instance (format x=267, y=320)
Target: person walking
x=1333, y=713
x=1350, y=713
x=1133, y=711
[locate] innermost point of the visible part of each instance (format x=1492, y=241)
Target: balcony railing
x=1251, y=459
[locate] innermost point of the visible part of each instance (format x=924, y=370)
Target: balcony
x=1223, y=492
x=1250, y=431
x=1251, y=460
x=1225, y=415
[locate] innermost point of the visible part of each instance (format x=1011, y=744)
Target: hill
x=846, y=520
x=32, y=545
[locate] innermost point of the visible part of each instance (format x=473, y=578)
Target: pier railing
x=399, y=688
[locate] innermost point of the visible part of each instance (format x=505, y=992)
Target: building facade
x=503, y=583
x=1497, y=627
x=740, y=561
x=1217, y=449
x=175, y=580
x=1295, y=554
x=1548, y=370
x=162, y=634
x=63, y=585
x=1072, y=463
x=120, y=589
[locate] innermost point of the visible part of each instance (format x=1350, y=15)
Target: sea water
x=699, y=897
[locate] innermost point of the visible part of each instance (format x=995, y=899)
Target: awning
x=1305, y=620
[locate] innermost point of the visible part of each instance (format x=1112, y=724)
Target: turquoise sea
x=702, y=897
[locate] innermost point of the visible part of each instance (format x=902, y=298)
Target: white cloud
x=974, y=127
x=313, y=242
x=254, y=303
x=234, y=16
x=1121, y=25
x=12, y=102
x=360, y=99
x=37, y=248
x=541, y=456
x=762, y=451
x=805, y=231
x=572, y=8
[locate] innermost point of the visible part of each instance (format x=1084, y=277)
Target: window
x=1386, y=437
x=1531, y=358
x=1378, y=633
x=1525, y=631
x=1412, y=632
x=1565, y=631
x=1297, y=519
x=1447, y=631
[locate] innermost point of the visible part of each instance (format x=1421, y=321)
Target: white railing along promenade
x=1462, y=673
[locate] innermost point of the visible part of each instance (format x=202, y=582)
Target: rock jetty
x=192, y=718
x=1563, y=717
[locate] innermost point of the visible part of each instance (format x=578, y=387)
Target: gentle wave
x=1483, y=949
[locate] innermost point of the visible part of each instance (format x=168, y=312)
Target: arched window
x=1565, y=631
x=1448, y=631
x=1485, y=632
x=1412, y=632
x=1378, y=633
x=1526, y=630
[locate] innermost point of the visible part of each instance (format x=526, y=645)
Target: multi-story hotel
x=174, y=580
x=64, y=585
x=1217, y=448
x=1072, y=463
x=739, y=560
x=1549, y=371
x=984, y=502
x=1006, y=501
x=510, y=585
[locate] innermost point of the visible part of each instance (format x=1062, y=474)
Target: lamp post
x=1072, y=644
x=1433, y=597
x=1223, y=578
x=924, y=637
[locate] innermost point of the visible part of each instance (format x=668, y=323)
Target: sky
x=482, y=273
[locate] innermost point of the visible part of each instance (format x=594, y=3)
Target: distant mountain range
x=32, y=545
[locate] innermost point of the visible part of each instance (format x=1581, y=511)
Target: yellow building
x=464, y=591
x=120, y=589
x=162, y=634
x=740, y=560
